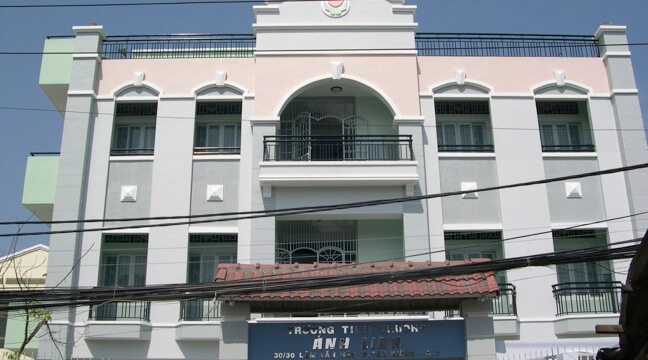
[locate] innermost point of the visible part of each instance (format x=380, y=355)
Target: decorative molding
x=329, y=26
x=82, y=93
x=559, y=75
x=625, y=91
x=573, y=190
x=128, y=193
x=93, y=56
x=214, y=192
x=314, y=52
x=408, y=119
x=138, y=78
x=89, y=29
x=221, y=76
x=336, y=69
x=213, y=229
x=467, y=186
x=471, y=227
x=466, y=155
x=330, y=10
x=460, y=75
x=216, y=157
x=609, y=28
x=591, y=155
x=616, y=54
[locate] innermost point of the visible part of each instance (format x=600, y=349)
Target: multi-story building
x=334, y=102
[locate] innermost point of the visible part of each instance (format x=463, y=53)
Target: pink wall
x=176, y=76
x=512, y=74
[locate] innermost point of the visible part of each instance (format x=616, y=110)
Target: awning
x=423, y=294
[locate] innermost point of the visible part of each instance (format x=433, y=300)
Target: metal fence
x=199, y=310
x=587, y=297
x=504, y=304
x=179, y=46
x=337, y=148
x=568, y=148
x=136, y=310
x=427, y=44
x=466, y=148
x=506, y=45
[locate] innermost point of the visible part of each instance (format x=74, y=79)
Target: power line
x=228, y=289
x=158, y=3
x=193, y=117
x=322, y=208
x=344, y=50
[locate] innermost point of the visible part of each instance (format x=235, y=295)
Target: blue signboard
x=357, y=339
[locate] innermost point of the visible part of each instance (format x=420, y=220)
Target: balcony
x=580, y=306
x=119, y=321
x=349, y=160
x=587, y=297
x=199, y=310
x=40, y=184
x=199, y=320
x=338, y=148
x=133, y=311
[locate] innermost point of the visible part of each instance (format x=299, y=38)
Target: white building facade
x=331, y=103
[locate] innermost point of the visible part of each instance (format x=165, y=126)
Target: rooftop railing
x=507, y=45
x=179, y=46
x=427, y=44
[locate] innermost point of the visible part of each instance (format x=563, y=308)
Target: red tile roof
x=470, y=285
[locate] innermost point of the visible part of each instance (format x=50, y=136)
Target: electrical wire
x=322, y=208
x=242, y=288
x=96, y=113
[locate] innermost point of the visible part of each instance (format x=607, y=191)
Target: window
x=463, y=126
x=564, y=126
x=323, y=241
x=134, y=132
x=123, y=263
x=218, y=128
x=206, y=251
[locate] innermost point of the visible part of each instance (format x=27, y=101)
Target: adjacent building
x=21, y=270
x=332, y=102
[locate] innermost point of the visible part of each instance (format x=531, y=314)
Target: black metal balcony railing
x=217, y=150
x=337, y=148
x=199, y=310
x=427, y=44
x=587, y=297
x=504, y=304
x=466, y=148
x=507, y=45
x=568, y=148
x=179, y=46
x=137, y=310
x=129, y=151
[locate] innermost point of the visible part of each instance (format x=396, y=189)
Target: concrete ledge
x=198, y=331
x=338, y=173
x=506, y=325
x=118, y=330
x=583, y=324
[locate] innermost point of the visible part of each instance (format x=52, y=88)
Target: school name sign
x=385, y=339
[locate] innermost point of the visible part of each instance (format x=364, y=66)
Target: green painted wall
x=380, y=240
x=16, y=331
x=40, y=180
x=380, y=120
x=55, y=67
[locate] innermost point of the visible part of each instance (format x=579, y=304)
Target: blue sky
x=24, y=30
